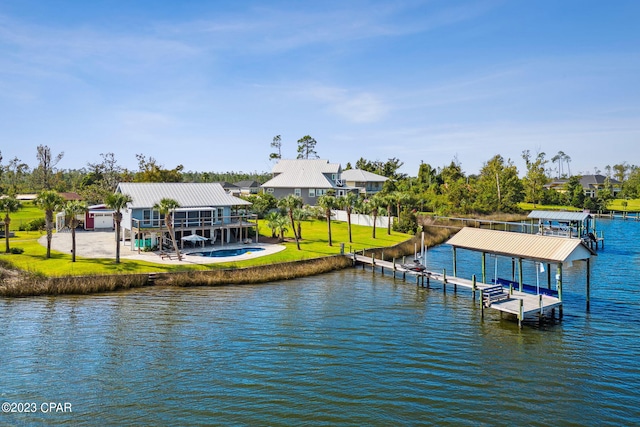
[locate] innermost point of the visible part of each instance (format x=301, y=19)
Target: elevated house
x=307, y=178
x=367, y=183
x=206, y=210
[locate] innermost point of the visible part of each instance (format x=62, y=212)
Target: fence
x=361, y=219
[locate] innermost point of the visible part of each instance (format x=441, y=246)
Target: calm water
x=348, y=348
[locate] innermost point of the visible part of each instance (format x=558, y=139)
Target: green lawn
x=633, y=205
x=314, y=244
x=27, y=213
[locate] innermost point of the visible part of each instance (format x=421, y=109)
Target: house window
x=297, y=192
x=269, y=190
x=206, y=217
x=312, y=192
x=146, y=217
x=320, y=192
x=334, y=176
x=179, y=218
x=193, y=218
x=219, y=214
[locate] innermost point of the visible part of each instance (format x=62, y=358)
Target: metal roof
x=360, y=175
x=187, y=194
x=559, y=216
x=520, y=245
x=303, y=173
x=316, y=165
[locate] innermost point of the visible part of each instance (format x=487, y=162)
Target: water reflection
x=344, y=348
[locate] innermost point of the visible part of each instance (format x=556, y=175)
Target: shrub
x=33, y=225
x=407, y=223
x=17, y=251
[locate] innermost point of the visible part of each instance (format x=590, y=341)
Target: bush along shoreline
x=15, y=283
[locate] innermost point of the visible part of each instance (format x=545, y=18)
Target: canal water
x=346, y=348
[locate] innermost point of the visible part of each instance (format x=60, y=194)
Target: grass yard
x=27, y=213
x=314, y=244
x=633, y=205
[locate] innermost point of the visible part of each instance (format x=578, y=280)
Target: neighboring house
x=68, y=196
x=590, y=185
x=307, y=178
x=206, y=210
x=558, y=185
x=230, y=188
x=367, y=183
x=248, y=187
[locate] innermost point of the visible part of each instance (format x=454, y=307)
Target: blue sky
x=208, y=84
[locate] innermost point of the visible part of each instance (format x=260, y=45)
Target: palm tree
x=328, y=202
x=72, y=209
x=348, y=202
x=8, y=205
x=400, y=197
x=272, y=222
x=49, y=201
x=388, y=200
x=290, y=203
x=166, y=208
x=281, y=225
x=118, y=202
x=373, y=205
x=300, y=214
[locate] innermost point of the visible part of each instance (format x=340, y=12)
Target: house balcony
x=233, y=221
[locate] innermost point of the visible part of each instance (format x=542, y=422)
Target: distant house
x=248, y=187
x=307, y=178
x=590, y=185
x=230, y=188
x=206, y=210
x=70, y=195
x=367, y=183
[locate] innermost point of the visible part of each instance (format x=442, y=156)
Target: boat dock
x=490, y=296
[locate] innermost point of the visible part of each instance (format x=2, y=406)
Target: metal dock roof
x=559, y=216
x=519, y=245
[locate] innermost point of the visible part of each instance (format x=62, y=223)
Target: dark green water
x=347, y=348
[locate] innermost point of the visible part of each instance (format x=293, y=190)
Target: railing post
x=473, y=287
x=521, y=314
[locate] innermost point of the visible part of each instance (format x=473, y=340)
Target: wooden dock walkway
x=522, y=305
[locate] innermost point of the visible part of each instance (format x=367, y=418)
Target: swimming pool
x=227, y=252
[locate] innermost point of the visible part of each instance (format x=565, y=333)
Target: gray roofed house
x=367, y=182
x=248, y=186
x=592, y=183
x=307, y=178
x=206, y=209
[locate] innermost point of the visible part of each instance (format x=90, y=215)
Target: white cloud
x=354, y=106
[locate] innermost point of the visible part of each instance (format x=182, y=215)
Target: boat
x=414, y=266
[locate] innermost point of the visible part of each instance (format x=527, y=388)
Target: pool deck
x=101, y=244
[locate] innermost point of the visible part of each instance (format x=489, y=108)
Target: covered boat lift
x=581, y=225
x=519, y=246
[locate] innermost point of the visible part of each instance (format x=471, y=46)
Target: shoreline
x=18, y=283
